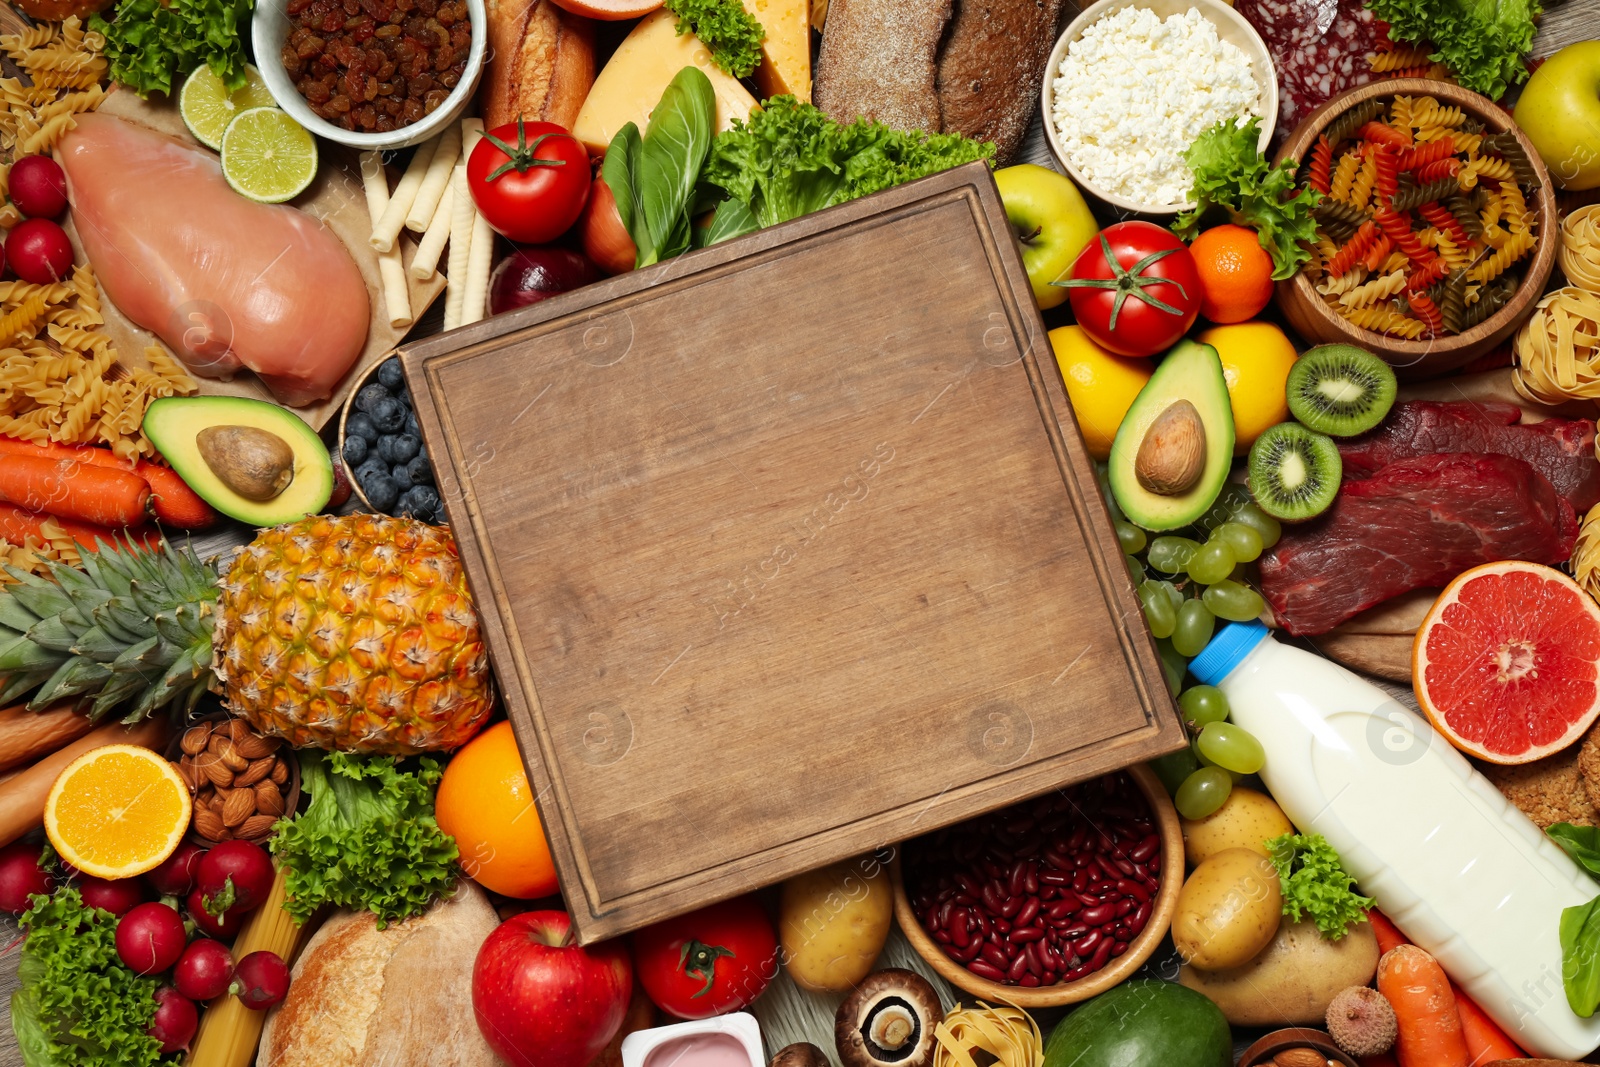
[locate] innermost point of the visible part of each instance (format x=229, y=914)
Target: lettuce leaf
x=153, y=44
x=368, y=840
x=1230, y=174
x=1315, y=885
x=725, y=27
x=1483, y=42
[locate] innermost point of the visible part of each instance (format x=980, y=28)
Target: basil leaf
x=1582, y=843
x=1580, y=956
x=618, y=171
x=733, y=219
x=673, y=150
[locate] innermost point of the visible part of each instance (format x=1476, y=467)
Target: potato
x=1245, y=820
x=1293, y=979
x=833, y=922
x=1228, y=910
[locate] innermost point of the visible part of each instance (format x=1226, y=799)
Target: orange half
x=117, y=811
x=1506, y=665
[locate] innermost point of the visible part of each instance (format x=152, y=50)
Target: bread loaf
x=60, y=10
x=878, y=59
x=541, y=63
x=991, y=68
x=397, y=997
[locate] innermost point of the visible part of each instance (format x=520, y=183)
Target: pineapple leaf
x=76, y=676
x=19, y=684
x=113, y=617
x=55, y=634
x=23, y=655
x=43, y=598
x=13, y=616
x=120, y=688
x=99, y=645
x=133, y=657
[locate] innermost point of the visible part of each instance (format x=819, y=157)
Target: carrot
x=1424, y=1008
x=1486, y=1042
x=1388, y=933
x=26, y=735
x=175, y=504
x=23, y=795
x=18, y=524
x=74, y=490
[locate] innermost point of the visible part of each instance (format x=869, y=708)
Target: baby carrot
x=17, y=525
x=174, y=503
x=1388, y=933
x=1486, y=1042
x=75, y=490
x=1424, y=1008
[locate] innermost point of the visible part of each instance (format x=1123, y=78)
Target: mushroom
x=801, y=1054
x=888, y=1021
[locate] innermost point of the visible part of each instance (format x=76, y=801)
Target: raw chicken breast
x=224, y=281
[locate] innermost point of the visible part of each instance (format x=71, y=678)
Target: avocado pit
x=255, y=463
x=1172, y=455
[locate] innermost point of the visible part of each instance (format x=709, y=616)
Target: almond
x=209, y=824
x=237, y=730
x=219, y=773
x=229, y=753
x=241, y=804
x=186, y=772
x=256, y=826
x=255, y=771
x=194, y=740
x=280, y=772
x=214, y=801
x=268, y=800
x=254, y=746
x=1304, y=1056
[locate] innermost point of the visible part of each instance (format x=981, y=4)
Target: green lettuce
x=368, y=840
x=1483, y=42
x=1315, y=885
x=725, y=27
x=153, y=44
x=1231, y=175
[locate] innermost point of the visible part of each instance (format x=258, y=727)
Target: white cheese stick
x=388, y=227
x=480, y=260
x=462, y=217
x=391, y=272
x=425, y=264
x=425, y=208
x=471, y=134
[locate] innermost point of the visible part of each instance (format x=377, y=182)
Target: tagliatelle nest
x=1580, y=248
x=1558, y=348
x=1586, y=554
x=1008, y=1034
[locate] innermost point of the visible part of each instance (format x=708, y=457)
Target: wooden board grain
x=787, y=549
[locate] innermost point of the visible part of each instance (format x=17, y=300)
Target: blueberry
x=360, y=425
x=369, y=396
x=421, y=470
x=400, y=476
x=404, y=397
x=384, y=448
x=388, y=415
x=425, y=498
x=411, y=425
x=408, y=505
x=405, y=446
x=355, y=450
x=390, y=374
x=381, y=492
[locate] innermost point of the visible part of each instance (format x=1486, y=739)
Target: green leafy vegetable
x=153, y=44
x=653, y=177
x=1483, y=42
x=725, y=27
x=1231, y=174
x=1580, y=956
x=1315, y=884
x=790, y=159
x=78, y=1006
x=367, y=840
x=1582, y=843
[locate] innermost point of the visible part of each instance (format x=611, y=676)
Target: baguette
x=23, y=795
x=27, y=735
x=541, y=63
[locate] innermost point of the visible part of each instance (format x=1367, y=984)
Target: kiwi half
x=1340, y=390
x=1294, y=472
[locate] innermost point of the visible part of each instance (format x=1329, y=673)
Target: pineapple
x=355, y=633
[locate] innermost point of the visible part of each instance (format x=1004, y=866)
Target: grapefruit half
x=1506, y=665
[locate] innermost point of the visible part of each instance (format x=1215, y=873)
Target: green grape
x=1231, y=748
x=1174, y=767
x=1158, y=611
x=1252, y=516
x=1212, y=562
x=1228, y=501
x=1135, y=569
x=1173, y=665
x=1130, y=537
x=1202, y=793
x=1203, y=704
x=1229, y=600
x=1244, y=540
x=1171, y=555
x=1193, y=628
x=1174, y=595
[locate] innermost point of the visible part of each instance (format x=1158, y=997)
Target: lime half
x=207, y=107
x=268, y=156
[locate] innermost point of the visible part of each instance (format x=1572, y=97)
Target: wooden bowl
x=1260, y=1054
x=1117, y=970
x=1316, y=322
x=1231, y=27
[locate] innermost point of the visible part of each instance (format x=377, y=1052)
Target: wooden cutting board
x=787, y=549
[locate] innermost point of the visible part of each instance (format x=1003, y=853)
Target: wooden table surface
x=1562, y=24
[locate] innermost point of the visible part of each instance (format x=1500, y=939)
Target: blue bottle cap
x=1226, y=649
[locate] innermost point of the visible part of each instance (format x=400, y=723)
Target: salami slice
x=1319, y=47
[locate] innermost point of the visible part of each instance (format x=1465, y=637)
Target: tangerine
x=1235, y=271
x=486, y=804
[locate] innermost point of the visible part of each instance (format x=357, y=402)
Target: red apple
x=605, y=239
x=541, y=999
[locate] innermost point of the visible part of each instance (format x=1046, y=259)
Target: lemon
x=1100, y=385
x=1256, y=357
x=268, y=156
x=207, y=107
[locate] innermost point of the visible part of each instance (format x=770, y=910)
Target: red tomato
x=1134, y=289
x=714, y=960
x=530, y=180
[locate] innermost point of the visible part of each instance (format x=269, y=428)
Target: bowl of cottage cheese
x=1130, y=85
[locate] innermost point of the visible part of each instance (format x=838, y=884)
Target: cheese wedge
x=640, y=70
x=786, y=53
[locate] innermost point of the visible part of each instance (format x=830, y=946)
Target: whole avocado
x=1142, y=1023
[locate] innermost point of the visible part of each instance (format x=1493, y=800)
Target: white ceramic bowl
x=271, y=25
x=1231, y=27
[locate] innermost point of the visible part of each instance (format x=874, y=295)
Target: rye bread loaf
x=541, y=63
x=878, y=60
x=991, y=67
x=397, y=997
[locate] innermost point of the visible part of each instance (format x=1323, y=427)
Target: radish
x=176, y=875
x=118, y=897
x=260, y=980
x=245, y=865
x=225, y=926
x=150, y=938
x=175, y=1020
x=204, y=970
x=38, y=187
x=21, y=876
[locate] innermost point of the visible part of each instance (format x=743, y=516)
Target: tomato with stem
x=1135, y=290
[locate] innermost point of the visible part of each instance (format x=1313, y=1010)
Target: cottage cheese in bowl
x=1135, y=89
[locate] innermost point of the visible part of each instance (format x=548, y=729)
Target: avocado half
x=1190, y=371
x=173, y=425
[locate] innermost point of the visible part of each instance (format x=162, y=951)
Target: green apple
x=1052, y=225
x=1559, y=110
